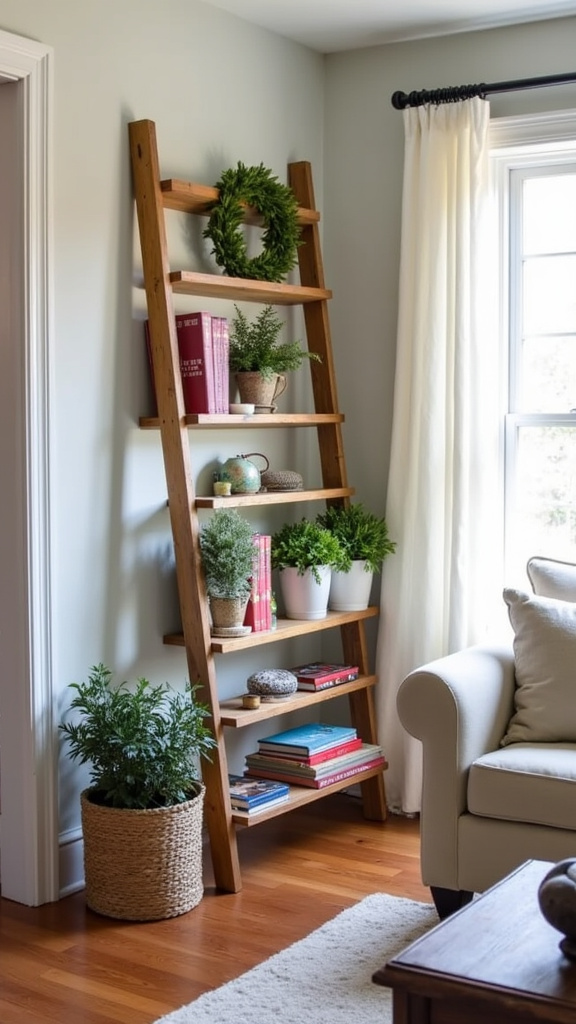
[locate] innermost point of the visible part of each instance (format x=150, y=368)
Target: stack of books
x=203, y=346
x=314, y=755
x=319, y=675
x=253, y=795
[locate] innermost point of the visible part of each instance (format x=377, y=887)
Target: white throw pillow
x=545, y=664
x=552, y=578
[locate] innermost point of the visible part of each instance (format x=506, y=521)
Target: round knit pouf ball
x=273, y=684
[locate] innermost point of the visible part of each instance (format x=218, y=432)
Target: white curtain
x=443, y=492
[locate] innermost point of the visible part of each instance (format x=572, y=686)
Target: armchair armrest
x=459, y=707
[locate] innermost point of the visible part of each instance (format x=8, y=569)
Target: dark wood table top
x=499, y=948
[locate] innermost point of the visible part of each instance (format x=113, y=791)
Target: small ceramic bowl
x=242, y=408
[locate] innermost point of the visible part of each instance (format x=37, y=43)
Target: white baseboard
x=71, y=862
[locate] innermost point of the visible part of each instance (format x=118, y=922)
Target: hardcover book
x=321, y=755
x=308, y=739
x=320, y=673
x=325, y=780
x=194, y=331
x=246, y=793
x=280, y=766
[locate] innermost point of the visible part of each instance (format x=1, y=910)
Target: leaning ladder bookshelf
x=153, y=197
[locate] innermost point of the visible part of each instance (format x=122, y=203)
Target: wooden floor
x=62, y=963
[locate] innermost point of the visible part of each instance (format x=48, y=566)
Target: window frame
x=519, y=146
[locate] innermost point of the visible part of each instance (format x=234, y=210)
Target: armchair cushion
x=552, y=578
x=545, y=657
x=525, y=782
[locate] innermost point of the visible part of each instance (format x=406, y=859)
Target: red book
x=326, y=780
x=318, y=673
x=194, y=331
x=253, y=616
x=321, y=755
x=266, y=580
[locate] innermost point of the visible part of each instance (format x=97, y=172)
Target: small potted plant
x=142, y=814
x=305, y=554
x=227, y=547
x=364, y=539
x=259, y=361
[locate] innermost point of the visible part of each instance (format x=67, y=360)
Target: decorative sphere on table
x=557, y=899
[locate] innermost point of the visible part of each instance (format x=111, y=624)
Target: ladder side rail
x=181, y=490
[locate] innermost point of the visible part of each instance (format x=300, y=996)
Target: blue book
x=308, y=739
x=246, y=793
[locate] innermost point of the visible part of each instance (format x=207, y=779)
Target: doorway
x=28, y=756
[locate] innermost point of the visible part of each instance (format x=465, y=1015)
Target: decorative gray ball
x=272, y=683
x=557, y=899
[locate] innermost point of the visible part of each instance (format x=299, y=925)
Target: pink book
x=252, y=616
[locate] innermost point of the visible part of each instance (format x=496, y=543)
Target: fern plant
x=143, y=745
x=361, y=534
x=227, y=546
x=254, y=345
x=306, y=545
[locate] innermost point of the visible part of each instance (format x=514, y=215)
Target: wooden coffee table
x=497, y=961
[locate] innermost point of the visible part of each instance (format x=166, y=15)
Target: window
x=537, y=192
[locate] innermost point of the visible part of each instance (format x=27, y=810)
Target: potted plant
x=364, y=539
x=142, y=814
x=259, y=361
x=227, y=547
x=305, y=554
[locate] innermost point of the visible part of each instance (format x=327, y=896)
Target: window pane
x=548, y=375
x=544, y=494
x=549, y=223
x=549, y=289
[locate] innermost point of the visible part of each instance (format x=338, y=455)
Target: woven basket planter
x=143, y=865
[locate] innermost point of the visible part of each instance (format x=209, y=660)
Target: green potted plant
x=305, y=554
x=227, y=548
x=142, y=814
x=364, y=539
x=259, y=361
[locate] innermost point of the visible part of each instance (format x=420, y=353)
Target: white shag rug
x=323, y=979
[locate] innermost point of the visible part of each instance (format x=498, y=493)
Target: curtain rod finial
x=399, y=100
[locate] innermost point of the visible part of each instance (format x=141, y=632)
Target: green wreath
x=276, y=203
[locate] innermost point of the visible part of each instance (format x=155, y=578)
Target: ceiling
x=332, y=25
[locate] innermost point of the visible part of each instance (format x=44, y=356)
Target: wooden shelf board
x=300, y=795
x=273, y=497
x=236, y=716
x=215, y=286
x=285, y=630
x=211, y=421
x=189, y=197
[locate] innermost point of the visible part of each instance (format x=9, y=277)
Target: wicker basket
x=143, y=865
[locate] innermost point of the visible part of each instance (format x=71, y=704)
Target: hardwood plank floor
x=62, y=963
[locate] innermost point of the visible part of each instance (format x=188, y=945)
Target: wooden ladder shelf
x=153, y=197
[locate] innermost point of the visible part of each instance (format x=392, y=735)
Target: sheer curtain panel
x=442, y=506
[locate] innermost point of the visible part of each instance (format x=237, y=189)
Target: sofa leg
x=448, y=901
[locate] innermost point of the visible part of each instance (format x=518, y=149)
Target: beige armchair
x=498, y=729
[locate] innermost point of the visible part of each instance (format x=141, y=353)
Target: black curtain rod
x=401, y=100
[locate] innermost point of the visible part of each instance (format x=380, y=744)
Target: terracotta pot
x=228, y=612
x=259, y=390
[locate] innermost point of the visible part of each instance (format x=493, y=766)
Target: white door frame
x=28, y=746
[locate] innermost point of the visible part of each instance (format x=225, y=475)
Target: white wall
x=219, y=91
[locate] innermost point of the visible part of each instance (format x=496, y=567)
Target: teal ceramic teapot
x=244, y=475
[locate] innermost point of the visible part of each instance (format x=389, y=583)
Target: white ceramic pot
x=350, y=591
x=303, y=597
